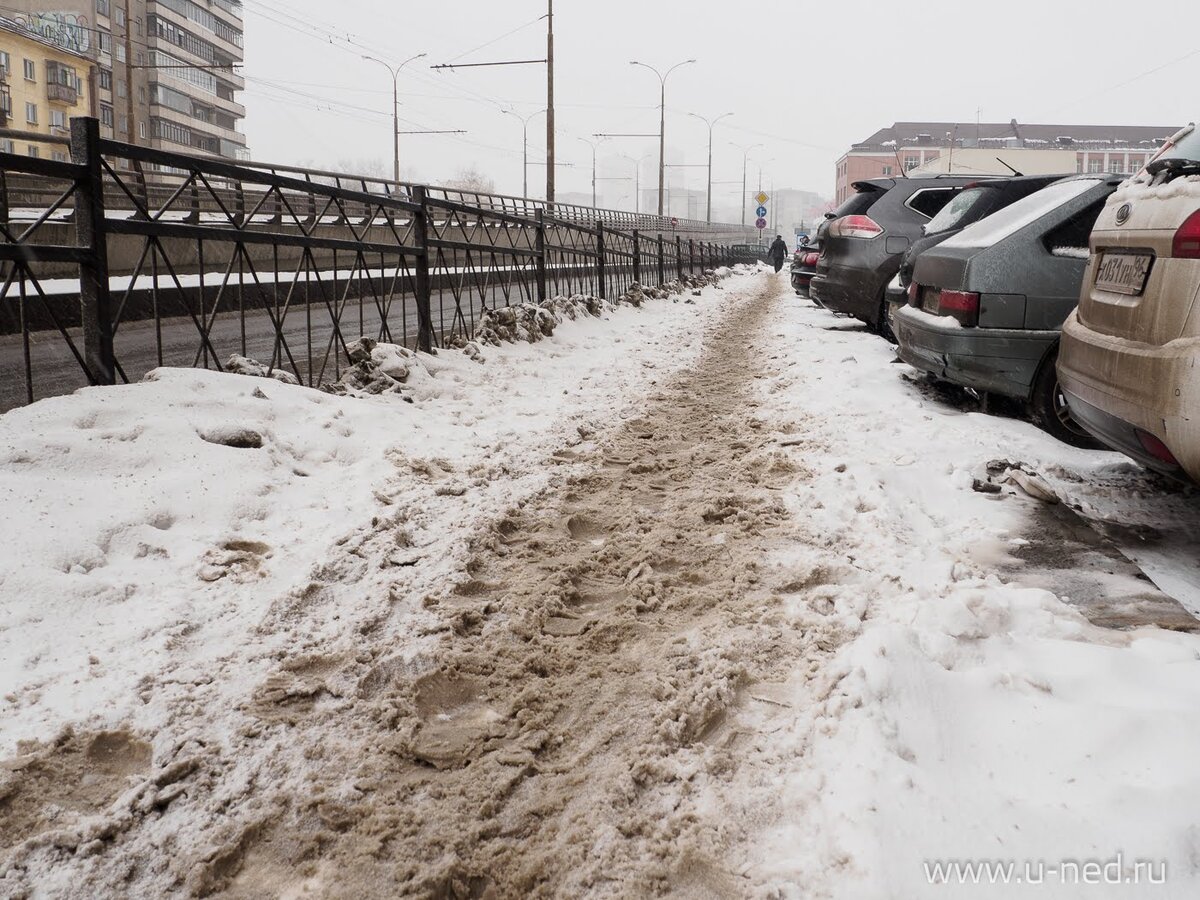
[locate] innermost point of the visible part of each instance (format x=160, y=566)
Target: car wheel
x=1049, y=411
x=885, y=321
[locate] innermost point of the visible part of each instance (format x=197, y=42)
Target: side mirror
x=830, y=215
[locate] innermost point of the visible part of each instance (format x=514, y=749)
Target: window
x=121, y=15
x=33, y=151
x=142, y=130
x=58, y=119
x=1136, y=162
x=1095, y=166
x=887, y=170
x=121, y=89
x=106, y=115
x=930, y=202
x=106, y=79
x=1079, y=164
x=120, y=52
x=5, y=62
x=30, y=70
x=31, y=113
x=58, y=156
x=911, y=161
x=102, y=7
x=1115, y=166
x=1073, y=234
x=6, y=145
x=124, y=125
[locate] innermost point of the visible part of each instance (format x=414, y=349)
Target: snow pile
x=243, y=365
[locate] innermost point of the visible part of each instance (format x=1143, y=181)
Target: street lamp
x=525, y=146
x=395, y=72
x=662, y=123
x=637, y=179
x=746, y=151
x=593, y=145
x=710, y=123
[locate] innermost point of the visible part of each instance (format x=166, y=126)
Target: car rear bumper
x=1001, y=361
x=846, y=290
x=1117, y=387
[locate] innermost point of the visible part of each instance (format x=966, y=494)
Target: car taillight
x=914, y=294
x=961, y=305
x=1155, y=447
x=1187, y=239
x=810, y=259
x=856, y=227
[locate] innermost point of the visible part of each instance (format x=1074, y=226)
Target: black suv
x=868, y=236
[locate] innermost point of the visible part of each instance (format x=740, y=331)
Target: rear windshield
x=964, y=208
x=858, y=204
x=1187, y=148
x=1025, y=211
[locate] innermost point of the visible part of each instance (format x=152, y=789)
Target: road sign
x=760, y=224
x=761, y=211
x=674, y=222
x=762, y=198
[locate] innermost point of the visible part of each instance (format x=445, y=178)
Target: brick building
x=905, y=146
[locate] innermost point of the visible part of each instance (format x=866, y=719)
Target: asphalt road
x=309, y=332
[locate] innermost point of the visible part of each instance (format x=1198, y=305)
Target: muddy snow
x=708, y=598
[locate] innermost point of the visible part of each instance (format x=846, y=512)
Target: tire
x=885, y=323
x=1048, y=408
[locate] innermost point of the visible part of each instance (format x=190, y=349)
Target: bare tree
x=471, y=179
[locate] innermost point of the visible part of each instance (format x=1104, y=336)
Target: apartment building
x=167, y=71
x=906, y=146
x=42, y=85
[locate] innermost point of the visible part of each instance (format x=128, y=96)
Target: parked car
x=1130, y=359
x=748, y=253
x=868, y=236
x=986, y=307
x=804, y=266
x=975, y=201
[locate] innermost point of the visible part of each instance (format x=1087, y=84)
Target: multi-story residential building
x=42, y=85
x=166, y=70
x=906, y=146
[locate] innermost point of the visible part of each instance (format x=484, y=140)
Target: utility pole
x=710, y=123
x=550, y=167
x=637, y=180
x=593, y=145
x=662, y=123
x=395, y=73
x=746, y=151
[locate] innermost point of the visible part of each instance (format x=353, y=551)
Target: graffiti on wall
x=63, y=29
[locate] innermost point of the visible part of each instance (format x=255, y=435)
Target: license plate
x=1123, y=273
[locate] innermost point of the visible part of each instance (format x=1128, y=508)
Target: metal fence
x=126, y=258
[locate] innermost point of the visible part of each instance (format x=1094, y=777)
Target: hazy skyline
x=804, y=81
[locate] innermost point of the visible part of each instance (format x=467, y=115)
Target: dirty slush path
x=589, y=725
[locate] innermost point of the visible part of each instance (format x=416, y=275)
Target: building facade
x=907, y=146
x=166, y=71
x=42, y=85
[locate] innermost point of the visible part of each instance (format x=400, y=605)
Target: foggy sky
x=805, y=79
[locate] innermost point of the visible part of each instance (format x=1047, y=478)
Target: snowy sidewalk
x=696, y=600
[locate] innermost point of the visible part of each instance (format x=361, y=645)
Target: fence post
x=679, y=256
x=692, y=255
x=540, y=246
x=424, y=281
x=600, y=259
x=637, y=256
x=95, y=299
x=662, y=269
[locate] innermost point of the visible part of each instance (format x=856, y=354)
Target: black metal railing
x=128, y=258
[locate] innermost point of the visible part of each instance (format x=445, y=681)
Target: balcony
x=61, y=93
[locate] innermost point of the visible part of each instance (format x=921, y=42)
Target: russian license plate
x=1123, y=273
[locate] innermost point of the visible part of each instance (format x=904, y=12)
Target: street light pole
x=746, y=151
x=662, y=123
x=525, y=120
x=593, y=145
x=711, y=123
x=395, y=73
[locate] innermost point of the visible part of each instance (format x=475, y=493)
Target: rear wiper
x=1010, y=168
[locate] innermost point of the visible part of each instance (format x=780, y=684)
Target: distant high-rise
x=166, y=73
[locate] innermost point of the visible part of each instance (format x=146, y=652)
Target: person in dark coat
x=778, y=252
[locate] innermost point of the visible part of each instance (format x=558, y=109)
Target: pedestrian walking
x=778, y=252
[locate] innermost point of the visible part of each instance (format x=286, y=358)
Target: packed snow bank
x=160, y=534
x=968, y=716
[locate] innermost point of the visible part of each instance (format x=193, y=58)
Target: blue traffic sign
x=761, y=212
